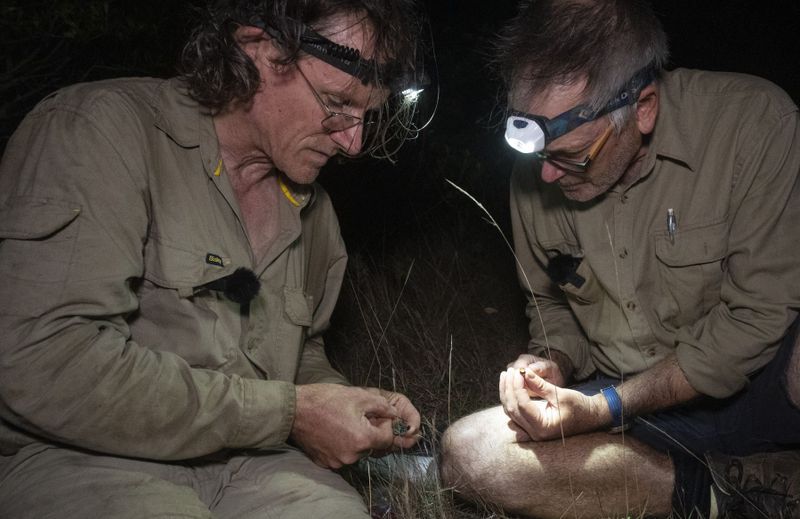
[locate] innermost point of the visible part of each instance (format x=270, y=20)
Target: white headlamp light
x=524, y=135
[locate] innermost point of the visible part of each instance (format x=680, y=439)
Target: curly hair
x=604, y=42
x=219, y=73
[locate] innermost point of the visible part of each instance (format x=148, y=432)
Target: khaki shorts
x=45, y=482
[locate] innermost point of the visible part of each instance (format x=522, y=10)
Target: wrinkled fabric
x=115, y=212
x=719, y=292
x=44, y=482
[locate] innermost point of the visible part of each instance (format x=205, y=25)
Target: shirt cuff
x=267, y=413
x=708, y=374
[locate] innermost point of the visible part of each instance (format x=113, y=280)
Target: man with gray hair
x=169, y=266
x=654, y=216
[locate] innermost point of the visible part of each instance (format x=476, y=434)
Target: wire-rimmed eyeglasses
x=334, y=121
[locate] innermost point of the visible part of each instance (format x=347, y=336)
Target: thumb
x=540, y=387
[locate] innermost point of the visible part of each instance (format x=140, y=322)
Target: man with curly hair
x=169, y=266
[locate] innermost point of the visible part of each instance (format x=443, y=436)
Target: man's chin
x=303, y=177
x=578, y=193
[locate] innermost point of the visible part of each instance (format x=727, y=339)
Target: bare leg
x=591, y=475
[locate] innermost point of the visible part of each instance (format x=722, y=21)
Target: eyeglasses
x=334, y=121
x=577, y=166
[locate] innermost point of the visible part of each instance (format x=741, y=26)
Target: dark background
x=431, y=288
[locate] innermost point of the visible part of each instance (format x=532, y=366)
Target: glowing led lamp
x=411, y=95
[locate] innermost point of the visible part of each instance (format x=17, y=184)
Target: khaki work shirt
x=721, y=291
x=115, y=211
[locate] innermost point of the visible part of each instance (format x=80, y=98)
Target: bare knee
x=472, y=454
x=459, y=447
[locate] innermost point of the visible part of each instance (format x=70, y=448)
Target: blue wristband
x=614, y=405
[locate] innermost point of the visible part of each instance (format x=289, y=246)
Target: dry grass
x=418, y=326
x=436, y=320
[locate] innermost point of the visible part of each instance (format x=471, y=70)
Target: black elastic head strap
x=344, y=58
x=629, y=93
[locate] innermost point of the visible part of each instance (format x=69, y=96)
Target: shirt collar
x=178, y=115
x=190, y=125
x=670, y=139
x=296, y=195
x=185, y=122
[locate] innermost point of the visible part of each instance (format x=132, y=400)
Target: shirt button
x=630, y=305
x=623, y=253
x=651, y=352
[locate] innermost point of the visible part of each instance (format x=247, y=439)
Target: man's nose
x=551, y=173
x=350, y=139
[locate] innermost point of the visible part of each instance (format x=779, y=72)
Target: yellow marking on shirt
x=288, y=194
x=218, y=171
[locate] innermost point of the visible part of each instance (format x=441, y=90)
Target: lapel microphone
x=240, y=287
x=562, y=269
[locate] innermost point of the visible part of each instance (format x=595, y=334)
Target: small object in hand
x=522, y=371
x=399, y=427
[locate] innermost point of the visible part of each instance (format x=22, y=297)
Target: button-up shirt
x=116, y=214
x=717, y=283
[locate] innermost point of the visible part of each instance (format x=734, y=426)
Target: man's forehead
x=552, y=100
x=342, y=84
x=349, y=30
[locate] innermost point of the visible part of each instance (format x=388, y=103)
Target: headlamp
x=411, y=95
x=528, y=133
x=525, y=134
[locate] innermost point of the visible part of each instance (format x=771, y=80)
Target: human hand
x=406, y=426
x=552, y=412
x=545, y=368
x=337, y=425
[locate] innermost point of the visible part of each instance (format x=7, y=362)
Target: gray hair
x=562, y=42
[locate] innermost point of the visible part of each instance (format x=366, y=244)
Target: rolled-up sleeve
x=760, y=292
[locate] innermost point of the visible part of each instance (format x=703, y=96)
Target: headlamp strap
x=346, y=59
x=630, y=92
x=571, y=119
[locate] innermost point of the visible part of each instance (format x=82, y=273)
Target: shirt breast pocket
x=173, y=317
x=691, y=269
x=37, y=241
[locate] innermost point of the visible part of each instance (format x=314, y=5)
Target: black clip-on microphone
x=240, y=287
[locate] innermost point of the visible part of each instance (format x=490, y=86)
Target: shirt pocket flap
x=172, y=266
x=25, y=218
x=297, y=306
x=693, y=246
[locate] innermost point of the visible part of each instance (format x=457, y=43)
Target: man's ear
x=647, y=108
x=250, y=39
x=258, y=45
